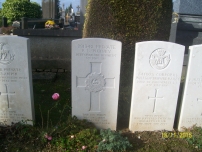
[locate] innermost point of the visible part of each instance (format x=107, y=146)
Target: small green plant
x=84, y=140
x=196, y=139
x=113, y=141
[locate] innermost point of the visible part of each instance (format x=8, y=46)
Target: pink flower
x=55, y=96
x=49, y=138
x=84, y=147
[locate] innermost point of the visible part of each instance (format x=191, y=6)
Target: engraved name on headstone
x=95, y=80
x=191, y=108
x=156, y=81
x=16, y=95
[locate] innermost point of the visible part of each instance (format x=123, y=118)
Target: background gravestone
x=156, y=81
x=49, y=9
x=191, y=7
x=191, y=111
x=95, y=80
x=186, y=26
x=83, y=4
x=16, y=95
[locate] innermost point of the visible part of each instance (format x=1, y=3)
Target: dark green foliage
x=16, y=9
x=196, y=139
x=113, y=141
x=128, y=21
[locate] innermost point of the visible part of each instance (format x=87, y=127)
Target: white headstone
x=16, y=95
x=95, y=80
x=191, y=108
x=156, y=81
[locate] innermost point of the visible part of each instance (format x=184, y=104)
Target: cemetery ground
x=55, y=130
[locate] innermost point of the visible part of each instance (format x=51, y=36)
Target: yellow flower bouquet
x=50, y=24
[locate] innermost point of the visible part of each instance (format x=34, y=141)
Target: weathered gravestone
x=186, y=26
x=156, y=81
x=191, y=111
x=49, y=8
x=83, y=4
x=95, y=80
x=16, y=95
x=191, y=7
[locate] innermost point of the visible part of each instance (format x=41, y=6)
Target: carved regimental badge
x=95, y=82
x=159, y=59
x=6, y=56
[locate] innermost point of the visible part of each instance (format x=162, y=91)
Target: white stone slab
x=191, y=108
x=95, y=80
x=156, y=81
x=16, y=95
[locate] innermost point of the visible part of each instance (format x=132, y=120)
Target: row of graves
x=95, y=83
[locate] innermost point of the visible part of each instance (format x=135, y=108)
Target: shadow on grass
x=43, y=91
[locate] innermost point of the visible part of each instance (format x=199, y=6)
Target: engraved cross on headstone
x=155, y=99
x=95, y=82
x=7, y=95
